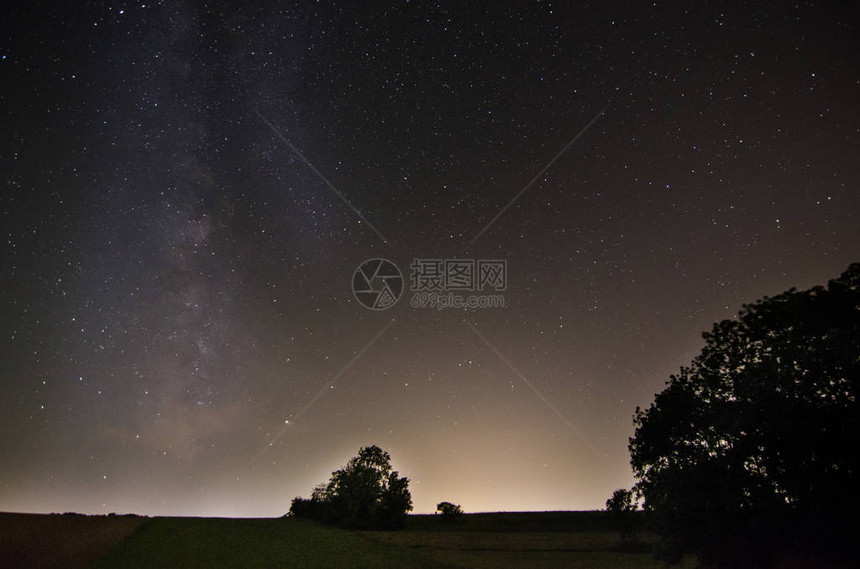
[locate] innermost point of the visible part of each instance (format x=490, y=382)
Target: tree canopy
x=366, y=493
x=750, y=453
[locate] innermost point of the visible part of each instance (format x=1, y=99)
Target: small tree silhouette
x=621, y=506
x=449, y=511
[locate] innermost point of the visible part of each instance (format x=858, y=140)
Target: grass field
x=69, y=540
x=247, y=543
x=522, y=540
x=529, y=540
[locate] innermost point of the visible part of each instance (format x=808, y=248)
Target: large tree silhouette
x=366, y=493
x=750, y=454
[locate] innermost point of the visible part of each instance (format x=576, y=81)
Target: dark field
x=529, y=540
x=68, y=540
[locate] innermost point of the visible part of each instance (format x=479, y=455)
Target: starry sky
x=189, y=188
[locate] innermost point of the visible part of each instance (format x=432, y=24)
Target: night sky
x=188, y=190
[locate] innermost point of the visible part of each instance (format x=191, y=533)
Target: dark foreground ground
x=67, y=540
x=523, y=540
